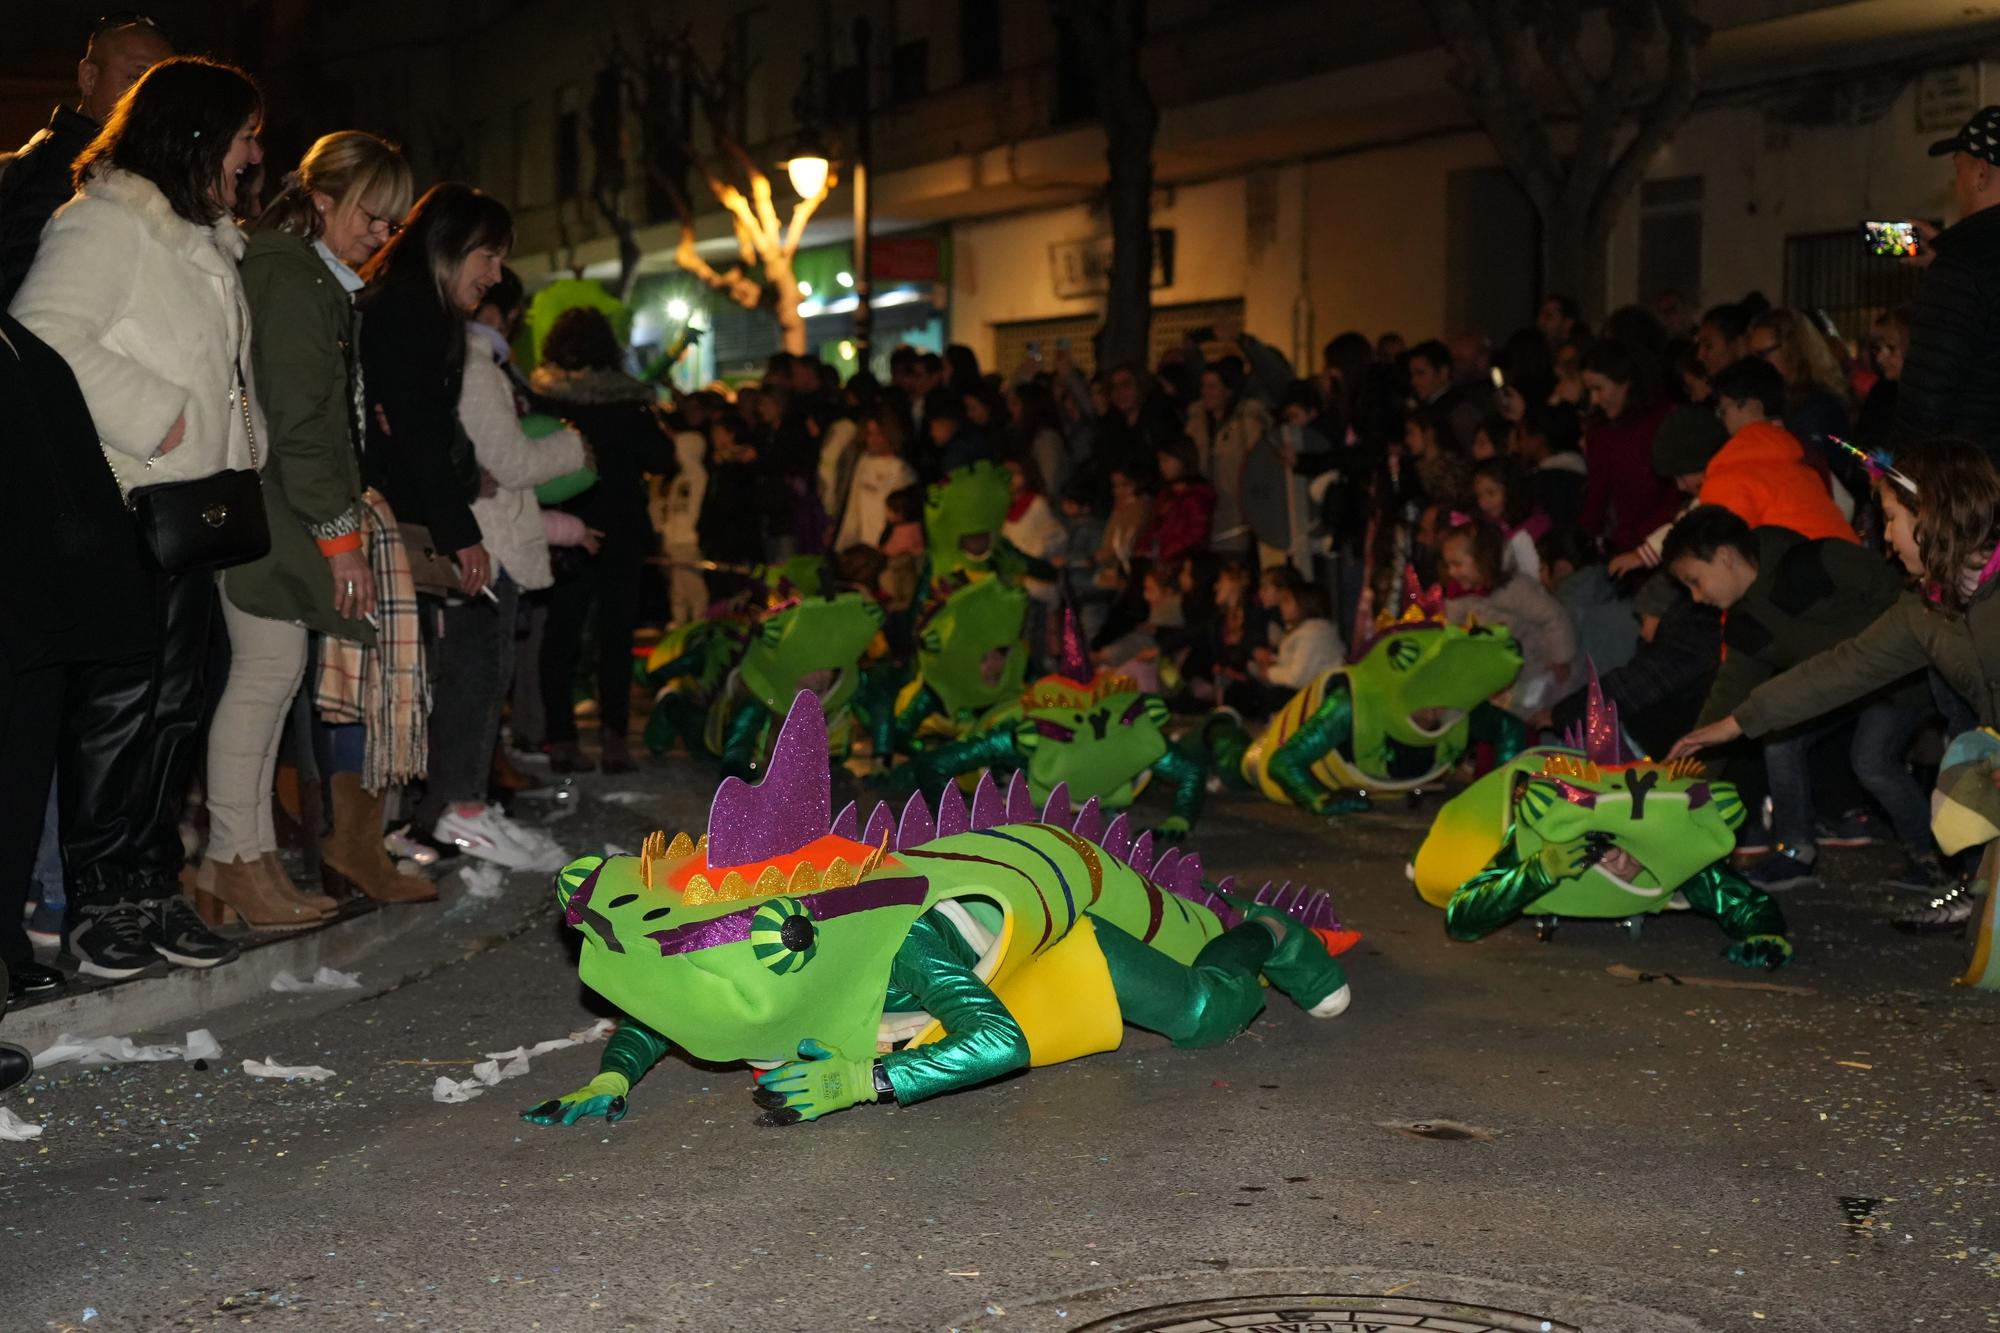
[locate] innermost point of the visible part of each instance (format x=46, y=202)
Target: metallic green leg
x=1290, y=766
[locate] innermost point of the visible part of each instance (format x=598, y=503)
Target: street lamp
x=808, y=171
x=864, y=311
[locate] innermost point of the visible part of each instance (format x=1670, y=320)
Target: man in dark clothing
x=1660, y=690
x=1950, y=383
x=1783, y=599
x=37, y=181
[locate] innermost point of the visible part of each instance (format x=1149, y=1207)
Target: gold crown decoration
x=1062, y=692
x=770, y=881
x=1574, y=769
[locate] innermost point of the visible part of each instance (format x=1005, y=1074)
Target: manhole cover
x=1324, y=1314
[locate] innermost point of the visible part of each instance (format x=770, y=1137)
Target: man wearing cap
x=37, y=179
x=1951, y=375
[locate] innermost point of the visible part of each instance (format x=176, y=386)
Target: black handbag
x=211, y=522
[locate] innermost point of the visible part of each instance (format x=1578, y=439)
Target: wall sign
x=1946, y=98
x=1083, y=268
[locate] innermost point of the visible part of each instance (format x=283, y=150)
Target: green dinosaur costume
x=963, y=515
x=1400, y=715
x=1587, y=830
x=970, y=660
x=1094, y=733
x=909, y=959
x=721, y=683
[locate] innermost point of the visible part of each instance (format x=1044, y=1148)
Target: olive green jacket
x=302, y=345
x=1909, y=636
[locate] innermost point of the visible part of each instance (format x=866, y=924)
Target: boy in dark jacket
x=1783, y=599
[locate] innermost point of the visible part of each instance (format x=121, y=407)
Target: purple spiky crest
x=1599, y=735
x=917, y=827
x=1020, y=804
x=989, y=808
x=790, y=806
x=880, y=821
x=1056, y=809
x=1075, y=660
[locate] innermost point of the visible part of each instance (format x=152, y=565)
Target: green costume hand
x=603, y=1095
x=1332, y=803
x=1565, y=860
x=1769, y=952
x=1171, y=829
x=821, y=1081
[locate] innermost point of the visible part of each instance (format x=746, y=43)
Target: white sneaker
x=486, y=836
x=548, y=853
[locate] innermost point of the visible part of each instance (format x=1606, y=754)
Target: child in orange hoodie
x=1760, y=473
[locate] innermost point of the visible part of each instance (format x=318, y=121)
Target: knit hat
x=1979, y=136
x=1686, y=440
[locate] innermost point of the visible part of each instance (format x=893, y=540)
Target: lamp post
x=864, y=314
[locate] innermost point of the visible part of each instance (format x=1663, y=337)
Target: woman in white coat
x=136, y=286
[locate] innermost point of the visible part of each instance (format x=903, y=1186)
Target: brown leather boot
x=615, y=756
x=225, y=890
x=274, y=870
x=353, y=851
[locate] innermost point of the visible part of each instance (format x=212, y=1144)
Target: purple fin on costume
x=790, y=807
x=1056, y=809
x=952, y=816
x=917, y=827
x=1191, y=870
x=879, y=824
x=1020, y=805
x=1117, y=838
x=1090, y=822
x=1163, y=869
x=989, y=809
x=1142, y=852
x=1600, y=735
x=848, y=822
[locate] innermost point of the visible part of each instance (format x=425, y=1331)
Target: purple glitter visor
x=734, y=927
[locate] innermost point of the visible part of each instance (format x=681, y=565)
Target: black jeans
x=612, y=580
x=469, y=650
x=131, y=740
x=30, y=704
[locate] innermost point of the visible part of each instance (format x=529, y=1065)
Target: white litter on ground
x=501, y=1065
x=269, y=1068
x=13, y=1129
x=482, y=880
x=200, y=1045
x=628, y=797
x=323, y=980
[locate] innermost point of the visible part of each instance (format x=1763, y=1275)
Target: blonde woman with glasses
x=329, y=216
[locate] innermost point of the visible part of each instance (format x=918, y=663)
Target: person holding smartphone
x=1951, y=378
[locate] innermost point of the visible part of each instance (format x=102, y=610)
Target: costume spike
x=1191, y=870
x=1089, y=822
x=1227, y=884
x=848, y=822
x=1020, y=805
x=917, y=826
x=880, y=821
x=1142, y=851
x=681, y=848
x=805, y=879
x=791, y=806
x=698, y=891
x=1056, y=809
x=989, y=808
x=840, y=874
x=875, y=855
x=770, y=882
x=952, y=816
x=1600, y=735
x=1075, y=661
x=1163, y=869
x=1117, y=838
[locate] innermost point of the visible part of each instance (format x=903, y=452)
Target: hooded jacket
x=1762, y=477
x=148, y=310
x=35, y=184
x=616, y=414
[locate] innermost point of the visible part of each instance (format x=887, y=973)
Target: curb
x=434, y=935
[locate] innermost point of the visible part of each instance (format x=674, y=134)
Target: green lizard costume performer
x=1094, y=733
x=1399, y=716
x=963, y=515
x=901, y=960
x=1590, y=830
x=723, y=682
x=970, y=660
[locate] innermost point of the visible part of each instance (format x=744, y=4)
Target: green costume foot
x=1769, y=952
x=1301, y=967
x=1332, y=804
x=820, y=1082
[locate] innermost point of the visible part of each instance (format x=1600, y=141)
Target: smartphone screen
x=1895, y=239
x=1499, y=378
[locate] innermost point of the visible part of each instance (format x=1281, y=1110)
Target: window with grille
x=1832, y=271
x=1170, y=327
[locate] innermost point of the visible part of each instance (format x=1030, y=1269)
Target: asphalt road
x=1648, y=1156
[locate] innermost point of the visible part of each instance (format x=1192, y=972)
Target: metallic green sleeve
x=632, y=1051
x=1748, y=916
x=1330, y=726
x=739, y=743
x=992, y=749
x=1189, y=779
x=1496, y=895
x=982, y=1041
x=1507, y=733
x=923, y=702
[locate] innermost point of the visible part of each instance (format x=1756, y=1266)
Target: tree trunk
x=1112, y=33
x=1575, y=259
x=784, y=286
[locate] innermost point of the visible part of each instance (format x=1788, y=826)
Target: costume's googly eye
x=1403, y=653
x=782, y=937
x=1055, y=731
x=1134, y=713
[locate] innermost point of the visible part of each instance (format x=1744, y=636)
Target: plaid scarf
x=384, y=686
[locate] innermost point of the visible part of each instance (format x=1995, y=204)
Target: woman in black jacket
x=580, y=378
x=78, y=634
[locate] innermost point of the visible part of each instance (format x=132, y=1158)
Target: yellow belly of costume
x=1062, y=1000
x=1333, y=770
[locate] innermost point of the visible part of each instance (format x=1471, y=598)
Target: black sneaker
x=1856, y=828
x=1923, y=874
x=110, y=941
x=177, y=934
x=1945, y=915
x=15, y=1065
x=1781, y=871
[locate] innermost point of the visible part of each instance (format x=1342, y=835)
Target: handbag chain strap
x=243, y=397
